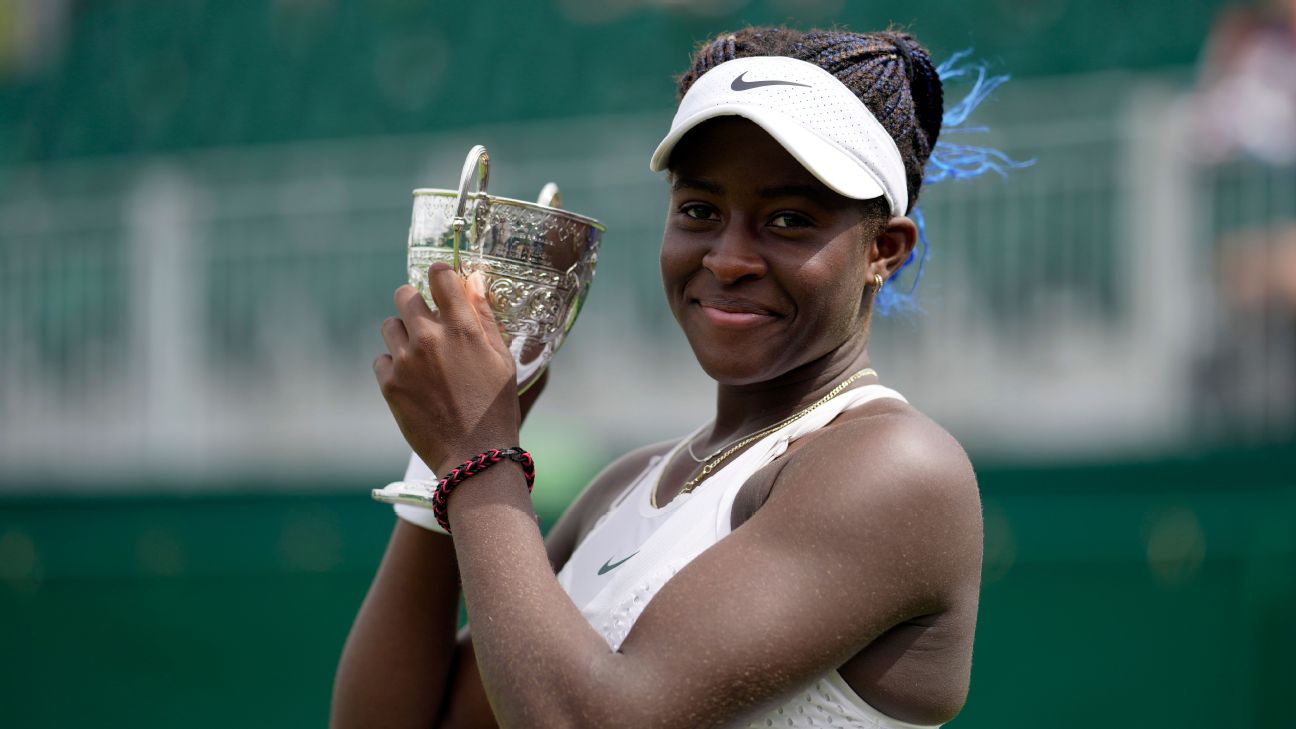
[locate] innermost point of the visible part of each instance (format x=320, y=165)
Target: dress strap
x=734, y=475
x=825, y=414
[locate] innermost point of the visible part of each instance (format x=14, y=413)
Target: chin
x=728, y=376
x=737, y=368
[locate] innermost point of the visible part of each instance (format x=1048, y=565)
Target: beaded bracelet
x=472, y=467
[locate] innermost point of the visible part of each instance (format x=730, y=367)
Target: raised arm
x=402, y=665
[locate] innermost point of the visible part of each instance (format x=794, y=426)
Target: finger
x=414, y=312
x=447, y=289
x=382, y=367
x=394, y=334
x=479, y=297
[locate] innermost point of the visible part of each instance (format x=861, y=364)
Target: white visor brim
x=810, y=113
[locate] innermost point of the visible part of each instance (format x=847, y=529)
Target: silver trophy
x=538, y=262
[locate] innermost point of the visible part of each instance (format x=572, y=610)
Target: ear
x=892, y=246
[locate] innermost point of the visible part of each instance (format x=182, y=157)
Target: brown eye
x=789, y=220
x=698, y=211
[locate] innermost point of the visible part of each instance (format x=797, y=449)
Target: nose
x=735, y=255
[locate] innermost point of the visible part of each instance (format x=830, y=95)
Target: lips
x=735, y=313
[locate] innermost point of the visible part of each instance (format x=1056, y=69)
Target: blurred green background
x=202, y=216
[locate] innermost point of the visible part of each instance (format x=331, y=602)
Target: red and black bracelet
x=472, y=467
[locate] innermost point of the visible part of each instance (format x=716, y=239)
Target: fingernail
x=478, y=282
x=439, y=266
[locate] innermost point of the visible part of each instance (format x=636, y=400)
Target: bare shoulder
x=595, y=499
x=889, y=449
x=887, y=482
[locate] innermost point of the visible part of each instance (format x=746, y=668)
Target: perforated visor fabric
x=807, y=111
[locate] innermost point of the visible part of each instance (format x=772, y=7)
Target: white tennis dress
x=634, y=549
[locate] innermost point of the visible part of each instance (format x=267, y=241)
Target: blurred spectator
x=1250, y=374
x=1247, y=101
x=1245, y=113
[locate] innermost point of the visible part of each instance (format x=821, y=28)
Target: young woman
x=811, y=557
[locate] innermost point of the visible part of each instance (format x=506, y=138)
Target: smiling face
x=764, y=267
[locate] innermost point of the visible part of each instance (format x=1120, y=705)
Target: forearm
x=395, y=666
x=541, y=662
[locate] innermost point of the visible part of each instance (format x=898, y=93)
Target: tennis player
x=809, y=557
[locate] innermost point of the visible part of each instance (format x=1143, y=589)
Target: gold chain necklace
x=716, y=460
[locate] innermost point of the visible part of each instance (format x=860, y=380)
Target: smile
x=735, y=314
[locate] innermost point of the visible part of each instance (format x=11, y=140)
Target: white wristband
x=417, y=473
x=420, y=516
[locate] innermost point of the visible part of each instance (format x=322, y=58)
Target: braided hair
x=889, y=71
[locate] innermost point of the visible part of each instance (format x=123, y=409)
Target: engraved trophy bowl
x=538, y=262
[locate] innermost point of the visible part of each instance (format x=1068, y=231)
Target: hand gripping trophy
x=538, y=262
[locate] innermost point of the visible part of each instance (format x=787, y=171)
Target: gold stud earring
x=877, y=281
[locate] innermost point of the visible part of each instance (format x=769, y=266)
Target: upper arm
x=871, y=526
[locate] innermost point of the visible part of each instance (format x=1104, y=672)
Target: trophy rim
x=577, y=217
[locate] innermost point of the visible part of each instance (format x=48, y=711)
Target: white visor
x=810, y=113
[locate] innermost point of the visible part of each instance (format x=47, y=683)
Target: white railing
x=214, y=314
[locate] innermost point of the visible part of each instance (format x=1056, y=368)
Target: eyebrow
x=806, y=191
x=689, y=183
x=793, y=190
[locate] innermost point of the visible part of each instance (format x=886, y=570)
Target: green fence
x=1150, y=594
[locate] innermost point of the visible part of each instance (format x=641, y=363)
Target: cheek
x=833, y=288
x=677, y=260
x=666, y=264
x=673, y=261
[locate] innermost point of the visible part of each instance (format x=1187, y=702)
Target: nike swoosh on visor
x=739, y=84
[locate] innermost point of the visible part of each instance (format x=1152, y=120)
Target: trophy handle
x=478, y=161
x=549, y=196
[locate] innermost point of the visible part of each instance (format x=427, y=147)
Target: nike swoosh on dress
x=608, y=566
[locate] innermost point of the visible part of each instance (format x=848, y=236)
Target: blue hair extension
x=981, y=88
x=949, y=161
x=890, y=300
x=962, y=161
